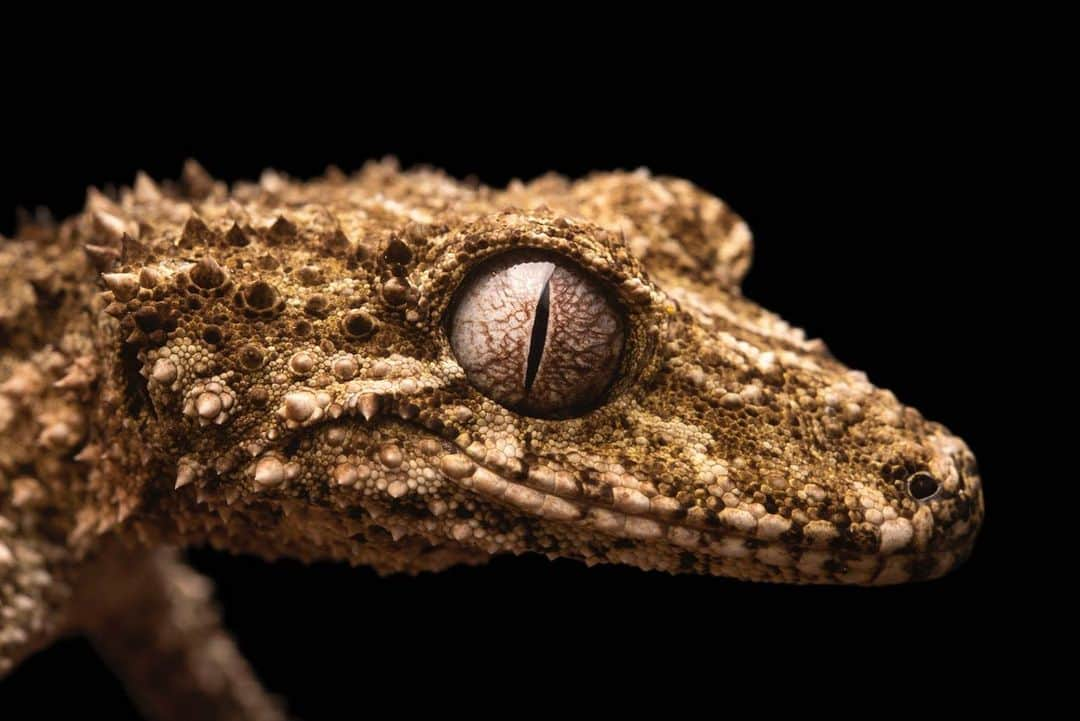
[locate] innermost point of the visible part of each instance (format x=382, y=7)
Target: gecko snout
x=951, y=489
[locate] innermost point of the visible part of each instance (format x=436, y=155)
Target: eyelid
x=645, y=311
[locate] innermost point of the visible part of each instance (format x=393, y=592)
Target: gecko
x=406, y=371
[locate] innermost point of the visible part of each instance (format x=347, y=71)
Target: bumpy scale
x=267, y=370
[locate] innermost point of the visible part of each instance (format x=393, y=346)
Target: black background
x=876, y=203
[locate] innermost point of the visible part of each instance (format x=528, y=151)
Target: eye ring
x=922, y=486
x=537, y=333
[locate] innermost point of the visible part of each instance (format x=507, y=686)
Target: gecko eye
x=922, y=486
x=537, y=334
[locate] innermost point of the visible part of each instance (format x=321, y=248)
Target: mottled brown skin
x=266, y=370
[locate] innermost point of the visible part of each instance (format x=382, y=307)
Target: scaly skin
x=267, y=371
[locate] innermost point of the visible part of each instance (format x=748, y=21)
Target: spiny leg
x=153, y=620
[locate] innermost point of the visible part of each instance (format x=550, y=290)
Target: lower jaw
x=777, y=564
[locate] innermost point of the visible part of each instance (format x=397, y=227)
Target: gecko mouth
x=734, y=538
x=619, y=506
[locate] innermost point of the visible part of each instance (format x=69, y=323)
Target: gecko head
x=444, y=387
x=665, y=423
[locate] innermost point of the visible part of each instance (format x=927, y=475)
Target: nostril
x=922, y=486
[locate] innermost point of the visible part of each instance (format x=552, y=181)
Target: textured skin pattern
x=267, y=370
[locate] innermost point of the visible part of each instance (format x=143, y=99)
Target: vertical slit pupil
x=539, y=334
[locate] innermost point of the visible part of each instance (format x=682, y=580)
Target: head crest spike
x=196, y=182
